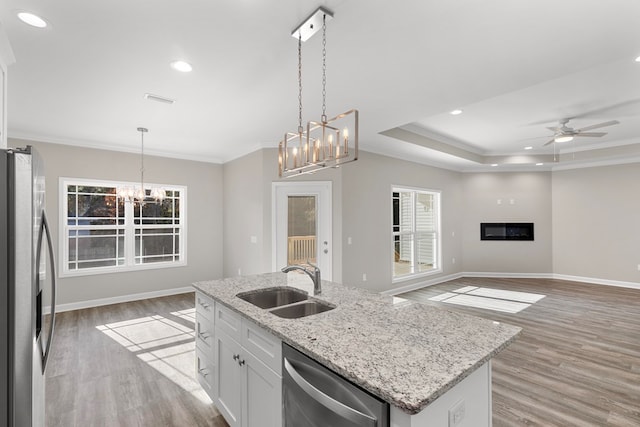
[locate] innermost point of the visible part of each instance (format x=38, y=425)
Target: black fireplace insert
x=506, y=231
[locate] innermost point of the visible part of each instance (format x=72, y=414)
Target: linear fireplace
x=506, y=231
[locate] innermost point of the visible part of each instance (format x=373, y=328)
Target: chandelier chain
x=300, y=83
x=324, y=67
x=142, y=159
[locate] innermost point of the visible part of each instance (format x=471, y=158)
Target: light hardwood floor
x=128, y=364
x=577, y=361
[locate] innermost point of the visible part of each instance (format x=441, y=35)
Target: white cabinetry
x=239, y=365
x=205, y=366
x=6, y=59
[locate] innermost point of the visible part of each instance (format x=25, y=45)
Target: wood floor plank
x=129, y=364
x=577, y=360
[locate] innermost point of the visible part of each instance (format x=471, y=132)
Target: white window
x=415, y=232
x=104, y=234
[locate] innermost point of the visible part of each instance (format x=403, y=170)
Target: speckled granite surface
x=407, y=353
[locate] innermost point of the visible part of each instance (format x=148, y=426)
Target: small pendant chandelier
x=135, y=194
x=328, y=143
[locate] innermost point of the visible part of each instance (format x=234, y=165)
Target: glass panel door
x=302, y=230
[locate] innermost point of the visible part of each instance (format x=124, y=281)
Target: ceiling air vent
x=159, y=98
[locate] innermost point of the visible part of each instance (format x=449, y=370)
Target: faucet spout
x=312, y=271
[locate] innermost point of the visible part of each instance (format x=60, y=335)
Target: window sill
x=409, y=277
x=114, y=270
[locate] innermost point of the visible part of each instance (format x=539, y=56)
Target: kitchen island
x=428, y=363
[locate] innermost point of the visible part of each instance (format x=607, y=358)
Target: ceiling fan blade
x=554, y=129
x=591, y=134
x=551, y=141
x=599, y=125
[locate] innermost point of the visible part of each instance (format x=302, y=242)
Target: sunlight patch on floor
x=167, y=345
x=490, y=299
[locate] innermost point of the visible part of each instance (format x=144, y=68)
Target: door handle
x=347, y=412
x=44, y=231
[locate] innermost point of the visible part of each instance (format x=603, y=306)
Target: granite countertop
x=406, y=353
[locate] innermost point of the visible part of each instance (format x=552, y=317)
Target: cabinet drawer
x=204, y=333
x=204, y=305
x=263, y=345
x=205, y=371
x=227, y=321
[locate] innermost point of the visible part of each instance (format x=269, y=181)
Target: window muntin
x=415, y=232
x=105, y=234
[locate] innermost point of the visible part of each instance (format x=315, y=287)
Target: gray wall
x=247, y=187
x=243, y=206
x=366, y=212
x=586, y=219
x=523, y=197
x=204, y=216
x=596, y=222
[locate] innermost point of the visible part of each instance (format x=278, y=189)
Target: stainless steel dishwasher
x=314, y=396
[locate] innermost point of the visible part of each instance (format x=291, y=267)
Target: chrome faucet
x=312, y=271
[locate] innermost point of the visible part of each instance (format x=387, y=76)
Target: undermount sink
x=296, y=311
x=273, y=297
x=289, y=303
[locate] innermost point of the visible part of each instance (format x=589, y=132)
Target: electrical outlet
x=453, y=260
x=364, y=277
x=638, y=267
x=239, y=272
x=254, y=239
x=499, y=201
x=349, y=241
x=456, y=414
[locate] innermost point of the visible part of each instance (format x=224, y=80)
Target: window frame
x=129, y=228
x=437, y=269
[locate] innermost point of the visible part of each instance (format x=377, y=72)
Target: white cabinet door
x=228, y=380
x=262, y=389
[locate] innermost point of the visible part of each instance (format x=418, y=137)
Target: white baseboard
x=441, y=279
x=115, y=300
x=596, y=281
x=509, y=275
x=422, y=284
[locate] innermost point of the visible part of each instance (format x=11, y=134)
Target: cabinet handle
x=236, y=357
x=203, y=304
x=203, y=336
x=241, y=362
x=203, y=372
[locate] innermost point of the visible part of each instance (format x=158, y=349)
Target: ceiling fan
x=564, y=133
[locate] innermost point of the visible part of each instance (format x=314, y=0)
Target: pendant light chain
x=300, y=128
x=324, y=68
x=142, y=131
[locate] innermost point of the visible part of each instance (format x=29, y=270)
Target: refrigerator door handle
x=44, y=230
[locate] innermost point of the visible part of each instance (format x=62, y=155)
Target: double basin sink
x=289, y=303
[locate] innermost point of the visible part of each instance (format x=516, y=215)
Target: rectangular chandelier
x=324, y=145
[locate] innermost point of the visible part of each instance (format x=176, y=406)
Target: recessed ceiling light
x=31, y=19
x=182, y=66
x=528, y=148
x=539, y=164
x=493, y=165
x=638, y=59
x=455, y=112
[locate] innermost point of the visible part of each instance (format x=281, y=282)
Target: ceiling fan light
x=563, y=138
x=638, y=59
x=456, y=112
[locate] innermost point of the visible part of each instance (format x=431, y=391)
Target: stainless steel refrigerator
x=27, y=276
